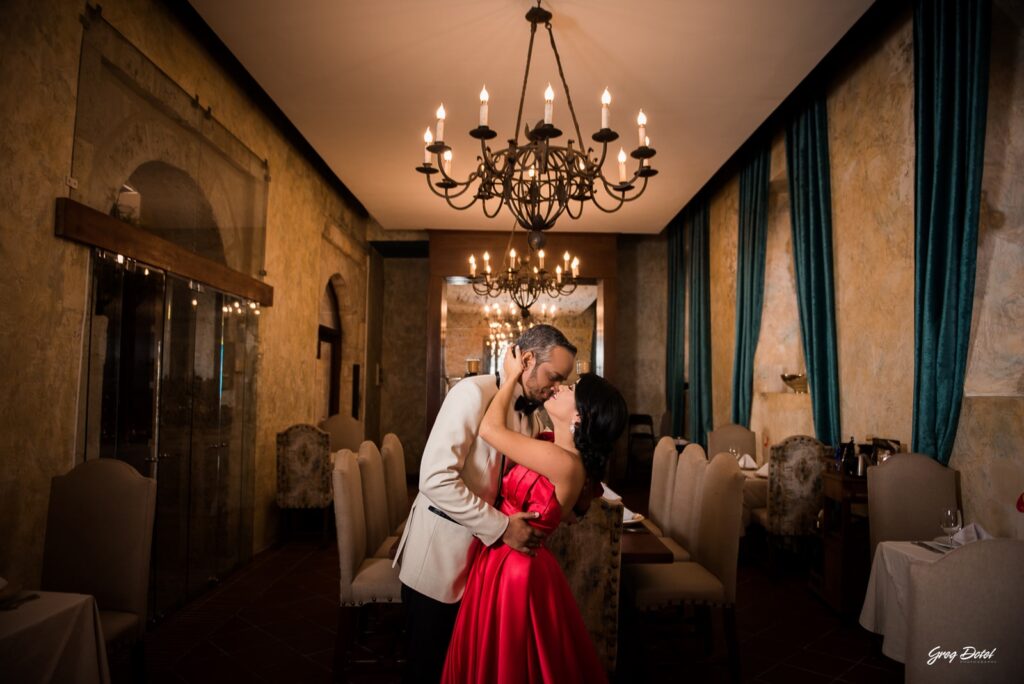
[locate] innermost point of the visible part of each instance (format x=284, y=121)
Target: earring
x=572, y=428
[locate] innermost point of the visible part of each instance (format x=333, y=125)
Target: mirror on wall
x=474, y=340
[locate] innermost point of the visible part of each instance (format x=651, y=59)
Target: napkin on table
x=747, y=462
x=762, y=471
x=609, y=495
x=970, y=533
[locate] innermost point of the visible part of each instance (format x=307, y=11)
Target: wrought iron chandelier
x=523, y=280
x=537, y=180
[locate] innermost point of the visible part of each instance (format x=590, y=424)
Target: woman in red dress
x=518, y=621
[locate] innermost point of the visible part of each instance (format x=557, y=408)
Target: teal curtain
x=750, y=255
x=810, y=197
x=675, y=369
x=951, y=60
x=701, y=418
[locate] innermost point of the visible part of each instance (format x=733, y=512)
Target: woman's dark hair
x=603, y=415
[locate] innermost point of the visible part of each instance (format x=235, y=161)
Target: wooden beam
x=76, y=222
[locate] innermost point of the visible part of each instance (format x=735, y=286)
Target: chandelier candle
x=622, y=166
x=641, y=121
x=427, y=140
x=536, y=179
x=440, y=123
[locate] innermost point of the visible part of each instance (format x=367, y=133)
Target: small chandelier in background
x=522, y=281
x=539, y=181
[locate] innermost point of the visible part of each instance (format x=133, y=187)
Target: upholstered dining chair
x=906, y=495
x=304, y=471
x=375, y=501
x=682, y=527
x=663, y=475
x=345, y=431
x=732, y=436
x=588, y=552
x=363, y=580
x=395, y=481
x=710, y=580
x=795, y=495
x=971, y=597
x=99, y=531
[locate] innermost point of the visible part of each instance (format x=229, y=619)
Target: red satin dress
x=519, y=621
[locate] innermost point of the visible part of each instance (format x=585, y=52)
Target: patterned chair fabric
x=588, y=552
x=794, y=487
x=303, y=468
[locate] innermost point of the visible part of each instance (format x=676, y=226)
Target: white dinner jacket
x=459, y=475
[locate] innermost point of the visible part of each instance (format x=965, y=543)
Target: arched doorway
x=328, y=353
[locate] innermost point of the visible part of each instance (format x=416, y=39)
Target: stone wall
x=643, y=322
x=312, y=234
x=871, y=139
x=403, y=396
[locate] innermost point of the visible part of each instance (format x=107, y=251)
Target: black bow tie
x=526, y=406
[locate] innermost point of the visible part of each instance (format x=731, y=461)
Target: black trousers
x=429, y=627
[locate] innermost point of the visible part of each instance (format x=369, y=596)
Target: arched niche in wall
x=449, y=252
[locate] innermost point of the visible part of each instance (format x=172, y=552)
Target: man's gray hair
x=541, y=340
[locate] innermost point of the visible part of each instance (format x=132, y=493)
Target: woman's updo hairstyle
x=603, y=416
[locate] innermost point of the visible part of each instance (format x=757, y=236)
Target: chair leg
x=344, y=641
x=732, y=642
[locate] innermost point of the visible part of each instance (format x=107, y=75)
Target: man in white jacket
x=460, y=476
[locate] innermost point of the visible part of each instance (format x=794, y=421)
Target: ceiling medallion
x=537, y=180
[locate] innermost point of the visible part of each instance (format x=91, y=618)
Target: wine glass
x=951, y=522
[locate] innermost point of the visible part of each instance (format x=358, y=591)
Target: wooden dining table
x=639, y=545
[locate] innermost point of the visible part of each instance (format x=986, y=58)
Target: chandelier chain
x=565, y=84
x=526, y=77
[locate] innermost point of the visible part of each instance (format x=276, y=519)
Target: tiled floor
x=275, y=621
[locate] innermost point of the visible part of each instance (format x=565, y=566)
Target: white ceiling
x=361, y=81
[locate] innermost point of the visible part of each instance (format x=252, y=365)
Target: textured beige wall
x=871, y=143
x=403, y=396
x=45, y=279
x=722, y=243
x=643, y=322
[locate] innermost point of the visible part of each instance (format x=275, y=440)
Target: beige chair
x=363, y=580
x=99, y=532
x=395, y=482
x=663, y=475
x=711, y=578
x=971, y=597
x=304, y=471
x=735, y=437
x=375, y=501
x=794, y=488
x=346, y=432
x=682, y=528
x=588, y=552
x=906, y=495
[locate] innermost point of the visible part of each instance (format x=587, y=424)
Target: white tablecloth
x=885, y=603
x=55, y=638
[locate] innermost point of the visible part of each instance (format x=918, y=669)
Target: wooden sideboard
x=842, y=576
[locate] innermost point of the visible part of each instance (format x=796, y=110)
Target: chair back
x=99, y=532
x=394, y=480
x=972, y=596
x=663, y=476
x=589, y=555
x=687, y=491
x=732, y=436
x=906, y=495
x=303, y=467
x=718, y=540
x=794, y=486
x=375, y=498
x=349, y=519
x=346, y=432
